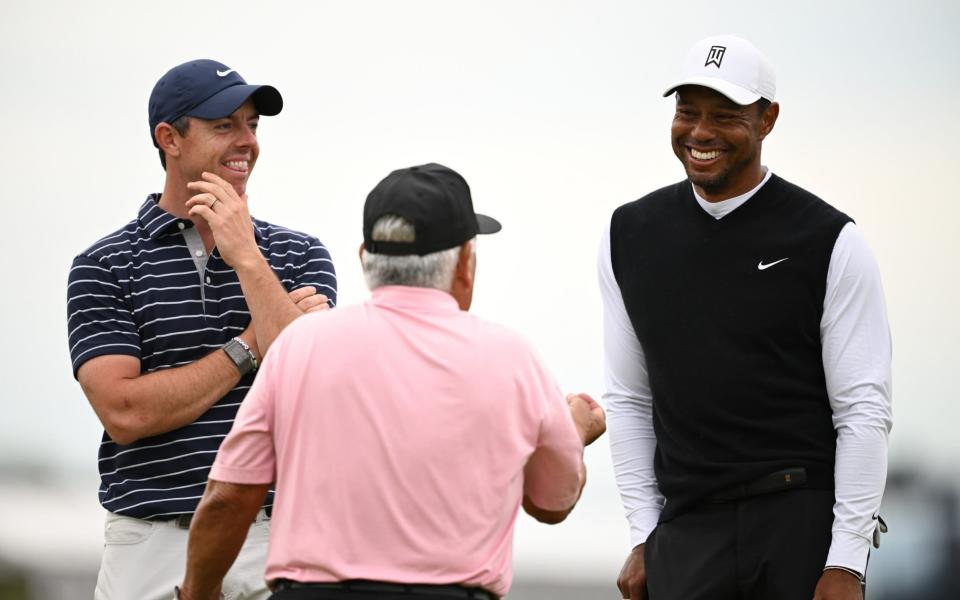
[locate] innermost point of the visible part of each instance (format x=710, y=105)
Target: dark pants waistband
x=362, y=586
x=778, y=481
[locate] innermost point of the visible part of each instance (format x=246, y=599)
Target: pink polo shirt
x=402, y=434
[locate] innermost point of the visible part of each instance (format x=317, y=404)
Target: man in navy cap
x=168, y=318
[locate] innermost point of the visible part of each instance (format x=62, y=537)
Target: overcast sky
x=551, y=110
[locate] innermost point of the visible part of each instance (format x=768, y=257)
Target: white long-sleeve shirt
x=856, y=361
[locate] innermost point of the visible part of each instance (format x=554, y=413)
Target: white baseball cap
x=730, y=65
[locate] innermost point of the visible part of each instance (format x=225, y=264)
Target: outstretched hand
x=588, y=417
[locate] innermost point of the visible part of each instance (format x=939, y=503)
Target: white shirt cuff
x=642, y=523
x=849, y=550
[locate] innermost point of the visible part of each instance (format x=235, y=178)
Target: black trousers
x=768, y=547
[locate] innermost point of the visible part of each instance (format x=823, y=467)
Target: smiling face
x=719, y=141
x=227, y=147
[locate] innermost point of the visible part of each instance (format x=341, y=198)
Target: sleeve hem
x=105, y=351
x=849, y=550
x=241, y=475
x=642, y=523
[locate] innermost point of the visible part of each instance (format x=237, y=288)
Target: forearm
x=633, y=444
x=629, y=402
x=217, y=533
x=589, y=423
x=861, y=470
x=132, y=406
x=270, y=305
x=554, y=475
x=552, y=517
x=171, y=398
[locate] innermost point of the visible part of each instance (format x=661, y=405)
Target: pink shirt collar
x=404, y=296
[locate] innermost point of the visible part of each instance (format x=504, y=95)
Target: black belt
x=183, y=521
x=786, y=479
x=362, y=585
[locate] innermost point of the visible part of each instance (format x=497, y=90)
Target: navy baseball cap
x=206, y=89
x=435, y=199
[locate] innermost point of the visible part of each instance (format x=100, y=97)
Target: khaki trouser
x=144, y=560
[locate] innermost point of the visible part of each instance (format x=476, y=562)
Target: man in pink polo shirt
x=403, y=433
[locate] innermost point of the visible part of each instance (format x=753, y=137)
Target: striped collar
x=158, y=222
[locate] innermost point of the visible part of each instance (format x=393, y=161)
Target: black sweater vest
x=732, y=341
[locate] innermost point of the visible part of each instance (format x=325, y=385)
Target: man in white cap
x=748, y=362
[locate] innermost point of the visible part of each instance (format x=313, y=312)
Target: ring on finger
x=215, y=200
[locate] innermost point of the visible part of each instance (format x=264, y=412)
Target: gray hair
x=434, y=270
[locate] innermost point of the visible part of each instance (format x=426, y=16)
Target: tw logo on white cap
x=715, y=56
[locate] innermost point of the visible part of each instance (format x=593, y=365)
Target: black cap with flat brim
x=436, y=200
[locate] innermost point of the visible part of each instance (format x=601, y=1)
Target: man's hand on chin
x=226, y=213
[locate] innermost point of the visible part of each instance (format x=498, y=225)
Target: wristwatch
x=241, y=355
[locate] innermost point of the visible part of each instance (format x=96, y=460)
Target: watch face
x=239, y=355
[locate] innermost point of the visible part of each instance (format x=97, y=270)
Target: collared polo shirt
x=138, y=292
x=404, y=455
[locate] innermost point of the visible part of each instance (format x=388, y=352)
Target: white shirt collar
x=718, y=210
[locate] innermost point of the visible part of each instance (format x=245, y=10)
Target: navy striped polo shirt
x=138, y=292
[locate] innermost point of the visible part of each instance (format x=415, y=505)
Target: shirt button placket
x=206, y=296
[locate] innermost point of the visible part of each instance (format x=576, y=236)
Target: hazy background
x=551, y=110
